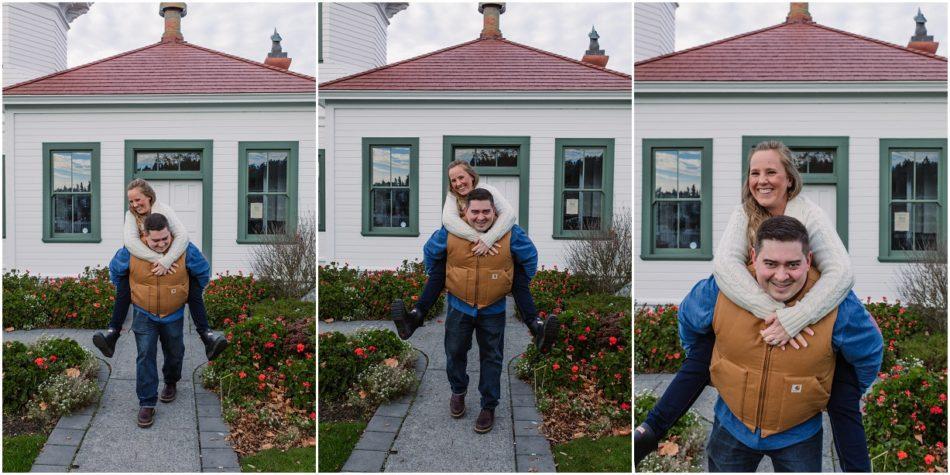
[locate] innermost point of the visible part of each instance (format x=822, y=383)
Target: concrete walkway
x=657, y=383
x=113, y=441
x=430, y=440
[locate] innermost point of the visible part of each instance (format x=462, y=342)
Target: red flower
x=39, y=361
x=52, y=358
x=242, y=375
x=936, y=410
x=313, y=416
x=581, y=338
x=261, y=377
x=372, y=348
x=269, y=344
x=586, y=329
x=625, y=406
x=306, y=384
x=360, y=352
x=261, y=386
x=612, y=340
x=273, y=335
x=300, y=347
x=555, y=366
x=928, y=459
x=901, y=455
x=574, y=369
x=96, y=305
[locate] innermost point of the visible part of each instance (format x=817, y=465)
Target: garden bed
x=349, y=294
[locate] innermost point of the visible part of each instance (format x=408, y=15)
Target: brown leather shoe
x=485, y=421
x=168, y=393
x=457, y=405
x=146, y=417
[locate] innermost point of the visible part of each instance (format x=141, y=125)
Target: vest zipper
x=476, y=283
x=763, y=385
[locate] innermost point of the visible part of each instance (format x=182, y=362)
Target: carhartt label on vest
x=494, y=277
x=174, y=290
x=796, y=388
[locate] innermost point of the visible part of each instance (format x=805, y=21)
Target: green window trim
x=412, y=230
x=322, y=196
x=607, y=180
x=320, y=32
x=292, y=147
x=885, y=254
x=94, y=236
x=522, y=171
x=839, y=177
x=647, y=235
x=205, y=176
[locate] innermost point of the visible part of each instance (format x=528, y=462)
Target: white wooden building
x=390, y=131
x=867, y=121
x=228, y=142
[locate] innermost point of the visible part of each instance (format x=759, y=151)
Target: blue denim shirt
x=523, y=253
x=855, y=336
x=195, y=263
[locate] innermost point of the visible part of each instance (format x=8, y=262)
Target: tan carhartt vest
x=478, y=281
x=162, y=295
x=764, y=386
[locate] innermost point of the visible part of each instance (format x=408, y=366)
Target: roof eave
x=788, y=87
x=423, y=95
x=131, y=99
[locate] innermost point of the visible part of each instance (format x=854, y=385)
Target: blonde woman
x=772, y=188
x=462, y=180
x=142, y=203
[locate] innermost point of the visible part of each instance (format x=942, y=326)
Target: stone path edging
x=64, y=441
x=215, y=452
x=532, y=449
x=375, y=443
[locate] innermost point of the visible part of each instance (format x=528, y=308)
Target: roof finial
x=275, y=50
x=921, y=40
x=594, y=48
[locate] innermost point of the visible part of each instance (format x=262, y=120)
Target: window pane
x=382, y=208
x=82, y=171
x=381, y=168
x=593, y=167
x=591, y=210
x=901, y=236
x=255, y=214
x=665, y=179
x=400, y=208
x=690, y=229
x=666, y=225
x=508, y=156
x=63, y=171
x=190, y=161
x=82, y=213
x=145, y=161
x=902, y=173
x=277, y=171
x=467, y=154
x=63, y=214
x=690, y=173
x=573, y=168
x=400, y=166
x=276, y=214
x=814, y=160
x=926, y=226
x=488, y=156
x=176, y=160
x=571, y=211
x=256, y=171
x=926, y=175
x=678, y=225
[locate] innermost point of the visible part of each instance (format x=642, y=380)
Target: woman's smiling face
x=461, y=182
x=768, y=181
x=138, y=202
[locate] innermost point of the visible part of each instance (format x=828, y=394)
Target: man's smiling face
x=480, y=214
x=781, y=268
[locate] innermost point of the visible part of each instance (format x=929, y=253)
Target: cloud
x=558, y=28
x=240, y=29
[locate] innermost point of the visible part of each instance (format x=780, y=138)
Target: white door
x=508, y=186
x=183, y=196
x=825, y=197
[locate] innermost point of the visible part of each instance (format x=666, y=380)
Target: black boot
x=406, y=322
x=544, y=332
x=214, y=344
x=106, y=343
x=644, y=443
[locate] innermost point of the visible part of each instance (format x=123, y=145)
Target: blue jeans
x=490, y=333
x=147, y=336
x=196, y=303
x=843, y=405
x=726, y=454
x=520, y=290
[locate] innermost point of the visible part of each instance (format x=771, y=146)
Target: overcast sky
x=700, y=23
x=558, y=28
x=240, y=29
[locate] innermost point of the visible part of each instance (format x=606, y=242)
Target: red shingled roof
x=167, y=68
x=795, y=51
x=486, y=64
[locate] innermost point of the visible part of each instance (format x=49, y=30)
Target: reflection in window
x=155, y=161
x=267, y=195
x=582, y=193
x=813, y=160
x=677, y=207
x=914, y=208
x=389, y=190
x=72, y=192
x=488, y=156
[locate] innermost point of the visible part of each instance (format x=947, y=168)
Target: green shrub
x=658, y=347
x=344, y=359
x=61, y=394
x=351, y=294
x=929, y=348
x=906, y=419
x=84, y=301
x=380, y=383
x=23, y=301
x=291, y=309
x=687, y=433
x=228, y=298
x=26, y=368
x=551, y=288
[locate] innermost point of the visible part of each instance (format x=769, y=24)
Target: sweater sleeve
x=832, y=260
x=134, y=243
x=177, y=228
x=505, y=219
x=732, y=275
x=454, y=224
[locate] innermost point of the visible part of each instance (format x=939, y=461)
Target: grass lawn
x=20, y=451
x=607, y=454
x=300, y=459
x=337, y=440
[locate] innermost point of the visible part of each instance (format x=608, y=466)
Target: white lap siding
x=347, y=126
x=27, y=130
x=864, y=120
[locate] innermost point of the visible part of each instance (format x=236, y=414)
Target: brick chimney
x=921, y=41
x=797, y=13
x=491, y=14
x=173, y=12
x=594, y=55
x=277, y=57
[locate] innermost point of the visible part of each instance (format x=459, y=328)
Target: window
x=321, y=164
x=391, y=187
x=71, y=192
x=583, y=187
x=913, y=198
x=267, y=190
x=823, y=164
x=677, y=199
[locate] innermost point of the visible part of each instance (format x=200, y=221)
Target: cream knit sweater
x=456, y=225
x=134, y=244
x=830, y=257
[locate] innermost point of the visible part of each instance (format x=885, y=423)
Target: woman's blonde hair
x=467, y=167
x=149, y=193
x=753, y=210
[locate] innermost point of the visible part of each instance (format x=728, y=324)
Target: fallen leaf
x=43, y=406
x=362, y=394
x=578, y=435
x=328, y=320
x=311, y=442
x=622, y=431
x=669, y=449
x=8, y=329
x=73, y=372
x=267, y=446
x=391, y=362
x=919, y=437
